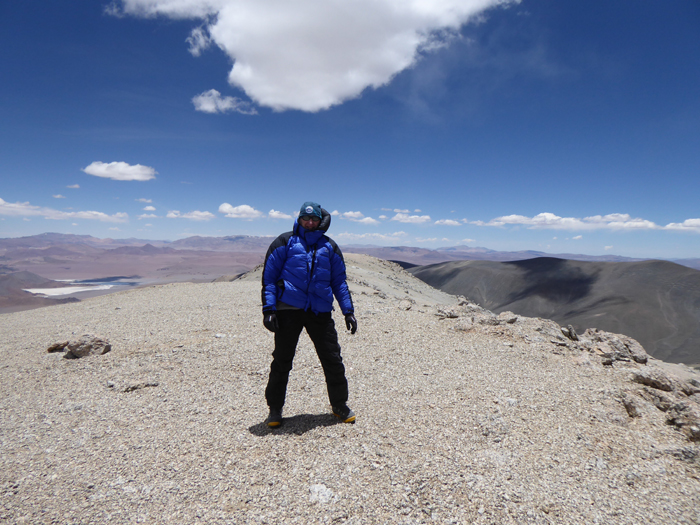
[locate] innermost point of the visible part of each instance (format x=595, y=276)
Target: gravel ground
x=462, y=417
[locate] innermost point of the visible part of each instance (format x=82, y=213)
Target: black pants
x=321, y=330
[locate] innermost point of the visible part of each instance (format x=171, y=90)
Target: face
x=309, y=222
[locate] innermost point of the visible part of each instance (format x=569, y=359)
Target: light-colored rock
x=87, y=345
x=616, y=347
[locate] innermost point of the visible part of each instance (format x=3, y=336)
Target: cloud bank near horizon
x=612, y=221
x=620, y=222
x=24, y=209
x=311, y=55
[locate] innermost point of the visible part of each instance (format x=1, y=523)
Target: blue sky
x=546, y=125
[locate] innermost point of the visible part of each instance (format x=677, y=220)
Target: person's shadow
x=299, y=424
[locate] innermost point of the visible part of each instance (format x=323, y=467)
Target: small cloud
x=212, y=102
x=383, y=217
x=411, y=219
x=608, y=248
x=148, y=216
x=149, y=208
x=400, y=211
x=554, y=238
x=192, y=215
x=114, y=228
x=147, y=201
x=355, y=216
x=431, y=239
x=74, y=224
x=120, y=171
x=447, y=222
x=274, y=214
x=687, y=225
x=239, y=212
x=73, y=186
x=350, y=215
x=198, y=40
x=58, y=196
x=577, y=237
x=416, y=211
x=467, y=240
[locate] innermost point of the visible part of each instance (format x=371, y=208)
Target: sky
x=564, y=127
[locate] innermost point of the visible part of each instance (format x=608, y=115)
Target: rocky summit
x=463, y=416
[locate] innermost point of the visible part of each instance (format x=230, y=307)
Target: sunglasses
x=311, y=218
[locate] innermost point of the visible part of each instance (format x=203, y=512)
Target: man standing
x=303, y=270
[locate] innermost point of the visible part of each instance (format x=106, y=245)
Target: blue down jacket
x=305, y=269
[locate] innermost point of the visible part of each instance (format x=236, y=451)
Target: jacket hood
x=322, y=228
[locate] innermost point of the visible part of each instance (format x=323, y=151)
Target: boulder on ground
x=616, y=347
x=87, y=345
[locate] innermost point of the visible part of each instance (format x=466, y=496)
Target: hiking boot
x=275, y=417
x=344, y=414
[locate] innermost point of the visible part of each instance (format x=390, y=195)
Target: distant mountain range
x=253, y=244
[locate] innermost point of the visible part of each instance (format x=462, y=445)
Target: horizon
x=376, y=246
x=519, y=126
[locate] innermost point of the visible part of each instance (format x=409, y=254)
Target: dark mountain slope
x=655, y=302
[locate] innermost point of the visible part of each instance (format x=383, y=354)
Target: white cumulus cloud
x=192, y=215
x=212, y=102
x=239, y=212
x=274, y=214
x=349, y=214
x=411, y=219
x=313, y=54
x=59, y=196
x=73, y=186
x=355, y=216
x=447, y=222
x=687, y=225
x=149, y=208
x=120, y=171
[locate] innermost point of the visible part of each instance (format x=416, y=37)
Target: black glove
x=270, y=321
x=351, y=323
